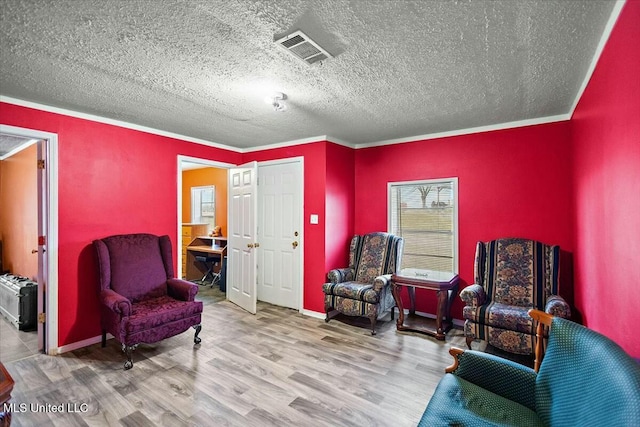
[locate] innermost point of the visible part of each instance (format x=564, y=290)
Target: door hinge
x=41, y=317
x=40, y=164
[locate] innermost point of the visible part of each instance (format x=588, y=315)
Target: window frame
x=432, y=181
x=196, y=206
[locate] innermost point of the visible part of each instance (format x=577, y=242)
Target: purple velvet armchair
x=140, y=300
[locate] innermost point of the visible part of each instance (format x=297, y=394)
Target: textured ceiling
x=9, y=142
x=202, y=68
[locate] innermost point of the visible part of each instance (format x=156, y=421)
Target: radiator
x=18, y=301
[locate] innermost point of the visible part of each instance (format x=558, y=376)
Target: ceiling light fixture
x=276, y=100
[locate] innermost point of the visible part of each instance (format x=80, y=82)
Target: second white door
x=280, y=233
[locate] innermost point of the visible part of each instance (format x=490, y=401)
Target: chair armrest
x=473, y=295
x=381, y=281
x=503, y=377
x=340, y=275
x=557, y=306
x=181, y=289
x=115, y=302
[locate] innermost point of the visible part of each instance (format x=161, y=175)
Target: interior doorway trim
x=203, y=162
x=51, y=254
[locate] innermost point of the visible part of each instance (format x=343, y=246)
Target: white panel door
x=241, y=249
x=280, y=233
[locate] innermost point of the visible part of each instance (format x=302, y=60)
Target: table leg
x=451, y=294
x=442, y=301
x=395, y=290
x=412, y=299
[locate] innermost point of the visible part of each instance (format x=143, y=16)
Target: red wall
x=606, y=147
x=511, y=183
x=111, y=180
x=314, y=203
x=340, y=206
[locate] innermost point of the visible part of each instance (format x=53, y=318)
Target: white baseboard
x=78, y=344
x=316, y=314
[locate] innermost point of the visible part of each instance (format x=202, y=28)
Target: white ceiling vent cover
x=299, y=44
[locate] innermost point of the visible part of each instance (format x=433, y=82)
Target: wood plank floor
x=275, y=368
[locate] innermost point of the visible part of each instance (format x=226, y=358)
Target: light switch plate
x=313, y=219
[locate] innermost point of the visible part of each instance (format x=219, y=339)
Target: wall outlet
x=313, y=219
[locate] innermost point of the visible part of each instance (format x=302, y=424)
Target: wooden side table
x=6, y=386
x=446, y=287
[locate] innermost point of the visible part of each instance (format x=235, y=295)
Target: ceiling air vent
x=299, y=44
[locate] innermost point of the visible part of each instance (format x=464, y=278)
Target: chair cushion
x=155, y=312
x=504, y=316
x=137, y=267
x=352, y=290
x=457, y=402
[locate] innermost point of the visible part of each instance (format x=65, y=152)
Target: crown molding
x=119, y=123
x=459, y=132
x=284, y=144
x=310, y=140
x=615, y=13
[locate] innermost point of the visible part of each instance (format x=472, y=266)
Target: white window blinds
x=424, y=213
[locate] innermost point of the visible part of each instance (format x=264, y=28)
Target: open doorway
x=28, y=161
x=202, y=224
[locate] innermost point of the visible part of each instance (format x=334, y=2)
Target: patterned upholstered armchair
x=512, y=276
x=363, y=288
x=140, y=300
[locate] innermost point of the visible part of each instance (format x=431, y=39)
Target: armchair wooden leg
x=373, y=319
x=196, y=338
x=128, y=349
x=104, y=338
x=327, y=318
x=469, y=341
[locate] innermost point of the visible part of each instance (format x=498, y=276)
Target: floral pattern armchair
x=511, y=276
x=363, y=289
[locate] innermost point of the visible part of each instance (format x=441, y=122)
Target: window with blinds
x=425, y=214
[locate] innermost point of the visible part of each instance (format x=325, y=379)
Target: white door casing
x=242, y=237
x=42, y=235
x=280, y=233
x=48, y=208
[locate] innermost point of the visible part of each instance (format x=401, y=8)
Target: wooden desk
x=446, y=287
x=202, y=246
x=6, y=386
x=219, y=240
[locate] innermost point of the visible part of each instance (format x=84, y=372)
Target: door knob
x=256, y=245
x=250, y=245
x=294, y=244
x=34, y=251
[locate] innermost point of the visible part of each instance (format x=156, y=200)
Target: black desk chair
x=209, y=262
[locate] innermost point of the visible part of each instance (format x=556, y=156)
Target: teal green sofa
x=584, y=379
